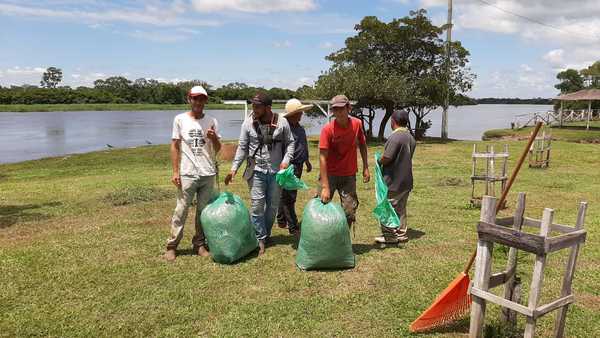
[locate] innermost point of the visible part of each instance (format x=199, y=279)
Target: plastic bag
x=325, y=238
x=229, y=233
x=384, y=212
x=288, y=181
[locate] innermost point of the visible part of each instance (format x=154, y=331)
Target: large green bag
x=288, y=181
x=325, y=238
x=229, y=233
x=384, y=212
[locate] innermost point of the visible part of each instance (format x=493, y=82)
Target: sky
x=516, y=46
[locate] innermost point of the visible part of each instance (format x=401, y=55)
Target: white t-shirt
x=197, y=150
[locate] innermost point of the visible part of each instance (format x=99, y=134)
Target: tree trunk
x=389, y=110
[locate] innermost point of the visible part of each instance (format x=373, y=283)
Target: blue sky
x=282, y=42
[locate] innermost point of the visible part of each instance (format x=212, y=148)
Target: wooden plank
x=511, y=264
x=482, y=269
x=544, y=309
x=564, y=241
x=501, y=301
x=513, y=238
x=505, y=221
x=534, y=223
x=500, y=278
x=537, y=278
x=561, y=315
x=490, y=155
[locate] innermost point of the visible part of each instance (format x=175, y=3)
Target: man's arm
x=325, y=193
x=175, y=160
x=291, y=146
x=365, y=159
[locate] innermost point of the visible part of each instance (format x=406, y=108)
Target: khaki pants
x=346, y=187
x=398, y=200
x=203, y=188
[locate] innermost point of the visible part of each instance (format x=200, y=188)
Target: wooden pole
x=448, y=50
x=588, y=115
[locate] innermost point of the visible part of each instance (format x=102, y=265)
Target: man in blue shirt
x=286, y=215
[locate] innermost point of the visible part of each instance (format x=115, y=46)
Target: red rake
x=454, y=302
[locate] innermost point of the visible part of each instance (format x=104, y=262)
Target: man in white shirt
x=194, y=145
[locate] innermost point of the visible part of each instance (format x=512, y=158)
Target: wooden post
x=474, y=168
x=561, y=315
x=511, y=265
x=588, y=115
x=482, y=272
x=561, y=113
x=537, y=278
x=492, y=173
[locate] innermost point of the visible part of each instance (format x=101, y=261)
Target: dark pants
x=287, y=205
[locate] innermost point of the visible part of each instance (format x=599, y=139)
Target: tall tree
x=400, y=64
x=592, y=75
x=570, y=81
x=51, y=77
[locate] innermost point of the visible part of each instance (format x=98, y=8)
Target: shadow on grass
x=13, y=214
x=360, y=249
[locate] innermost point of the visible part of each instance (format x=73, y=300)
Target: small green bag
x=325, y=238
x=229, y=233
x=288, y=181
x=384, y=212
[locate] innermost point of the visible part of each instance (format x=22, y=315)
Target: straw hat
x=294, y=106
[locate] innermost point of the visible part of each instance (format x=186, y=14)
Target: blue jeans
x=265, y=194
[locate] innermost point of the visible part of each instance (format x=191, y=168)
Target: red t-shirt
x=341, y=144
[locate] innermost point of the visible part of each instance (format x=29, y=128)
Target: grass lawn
x=573, y=132
x=113, y=107
x=81, y=240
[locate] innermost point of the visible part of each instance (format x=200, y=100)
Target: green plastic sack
x=288, y=181
x=229, y=233
x=325, y=238
x=384, y=212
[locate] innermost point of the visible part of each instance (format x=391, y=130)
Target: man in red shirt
x=338, y=143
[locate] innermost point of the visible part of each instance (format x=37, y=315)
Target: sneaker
x=384, y=240
x=170, y=255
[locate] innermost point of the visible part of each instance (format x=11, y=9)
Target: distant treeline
x=494, y=100
x=121, y=90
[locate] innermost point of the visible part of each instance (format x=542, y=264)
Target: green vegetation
x=72, y=264
x=114, y=107
x=573, y=132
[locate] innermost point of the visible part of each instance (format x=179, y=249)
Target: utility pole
x=447, y=98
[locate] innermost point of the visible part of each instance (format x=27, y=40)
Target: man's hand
x=211, y=134
x=283, y=166
x=366, y=175
x=229, y=177
x=308, y=166
x=325, y=195
x=176, y=179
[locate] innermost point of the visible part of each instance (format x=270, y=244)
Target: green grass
x=573, y=132
x=74, y=264
x=112, y=107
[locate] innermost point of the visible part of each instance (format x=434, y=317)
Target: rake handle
x=513, y=176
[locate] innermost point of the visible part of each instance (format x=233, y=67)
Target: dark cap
x=339, y=101
x=400, y=116
x=261, y=98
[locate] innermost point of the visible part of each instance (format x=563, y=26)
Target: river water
x=27, y=136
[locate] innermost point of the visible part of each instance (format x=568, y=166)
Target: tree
x=570, y=81
x=400, y=64
x=51, y=77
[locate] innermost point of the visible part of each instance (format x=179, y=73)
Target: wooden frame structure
x=539, y=153
x=492, y=177
x=507, y=231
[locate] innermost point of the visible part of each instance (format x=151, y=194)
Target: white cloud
x=254, y=6
x=163, y=37
x=164, y=16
